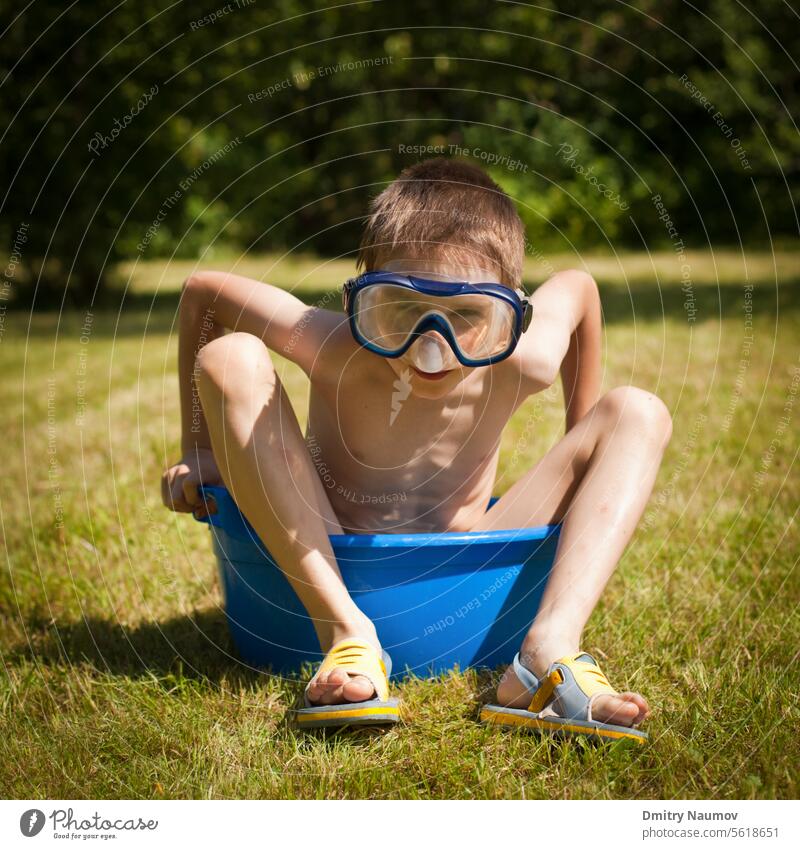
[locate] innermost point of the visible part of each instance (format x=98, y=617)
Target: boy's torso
x=393, y=462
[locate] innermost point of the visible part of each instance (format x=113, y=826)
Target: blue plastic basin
x=439, y=601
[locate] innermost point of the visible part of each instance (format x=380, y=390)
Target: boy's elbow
x=194, y=282
x=195, y=299
x=582, y=284
x=551, y=369
x=590, y=290
x=582, y=278
x=543, y=371
x=196, y=289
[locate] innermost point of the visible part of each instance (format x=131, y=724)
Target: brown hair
x=449, y=210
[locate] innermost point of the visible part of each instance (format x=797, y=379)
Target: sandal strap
x=544, y=694
x=357, y=657
x=525, y=676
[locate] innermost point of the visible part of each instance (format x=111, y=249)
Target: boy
x=410, y=393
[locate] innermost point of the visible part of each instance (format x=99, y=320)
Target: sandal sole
x=600, y=731
x=374, y=712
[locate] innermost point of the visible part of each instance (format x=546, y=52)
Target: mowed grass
x=119, y=678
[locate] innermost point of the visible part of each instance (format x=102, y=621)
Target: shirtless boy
x=472, y=348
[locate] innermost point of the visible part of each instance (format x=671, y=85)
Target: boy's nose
x=436, y=337
x=431, y=352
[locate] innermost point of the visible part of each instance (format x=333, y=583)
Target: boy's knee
x=630, y=403
x=231, y=362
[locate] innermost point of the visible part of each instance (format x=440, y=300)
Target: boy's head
x=446, y=220
x=444, y=213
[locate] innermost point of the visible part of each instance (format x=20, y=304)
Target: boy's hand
x=179, y=483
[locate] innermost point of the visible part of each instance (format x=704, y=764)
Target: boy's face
x=432, y=347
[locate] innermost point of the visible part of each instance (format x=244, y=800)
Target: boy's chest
x=393, y=428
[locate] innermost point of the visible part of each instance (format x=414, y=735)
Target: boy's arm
x=565, y=335
x=212, y=302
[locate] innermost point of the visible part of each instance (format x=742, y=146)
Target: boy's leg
x=264, y=461
x=596, y=481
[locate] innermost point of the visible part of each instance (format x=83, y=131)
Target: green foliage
x=320, y=100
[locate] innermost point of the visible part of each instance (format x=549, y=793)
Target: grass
x=119, y=678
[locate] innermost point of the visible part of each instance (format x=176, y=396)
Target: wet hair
x=447, y=210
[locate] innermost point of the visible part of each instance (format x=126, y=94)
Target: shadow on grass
x=196, y=647
x=141, y=314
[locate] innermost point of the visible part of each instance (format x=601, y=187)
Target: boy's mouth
x=436, y=375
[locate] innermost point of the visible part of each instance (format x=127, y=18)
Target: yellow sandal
x=357, y=657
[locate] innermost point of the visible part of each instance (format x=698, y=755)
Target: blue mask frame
x=521, y=306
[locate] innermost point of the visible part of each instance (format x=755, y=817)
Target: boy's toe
x=323, y=691
x=619, y=709
x=314, y=691
x=337, y=677
x=641, y=704
x=338, y=686
x=358, y=689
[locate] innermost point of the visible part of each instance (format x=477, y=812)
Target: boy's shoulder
x=323, y=340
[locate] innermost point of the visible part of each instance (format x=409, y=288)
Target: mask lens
x=483, y=326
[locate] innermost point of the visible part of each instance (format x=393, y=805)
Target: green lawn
x=119, y=678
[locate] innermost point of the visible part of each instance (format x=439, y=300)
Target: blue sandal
x=561, y=702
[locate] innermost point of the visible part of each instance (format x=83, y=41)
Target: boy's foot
x=338, y=686
x=341, y=699
x=626, y=708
